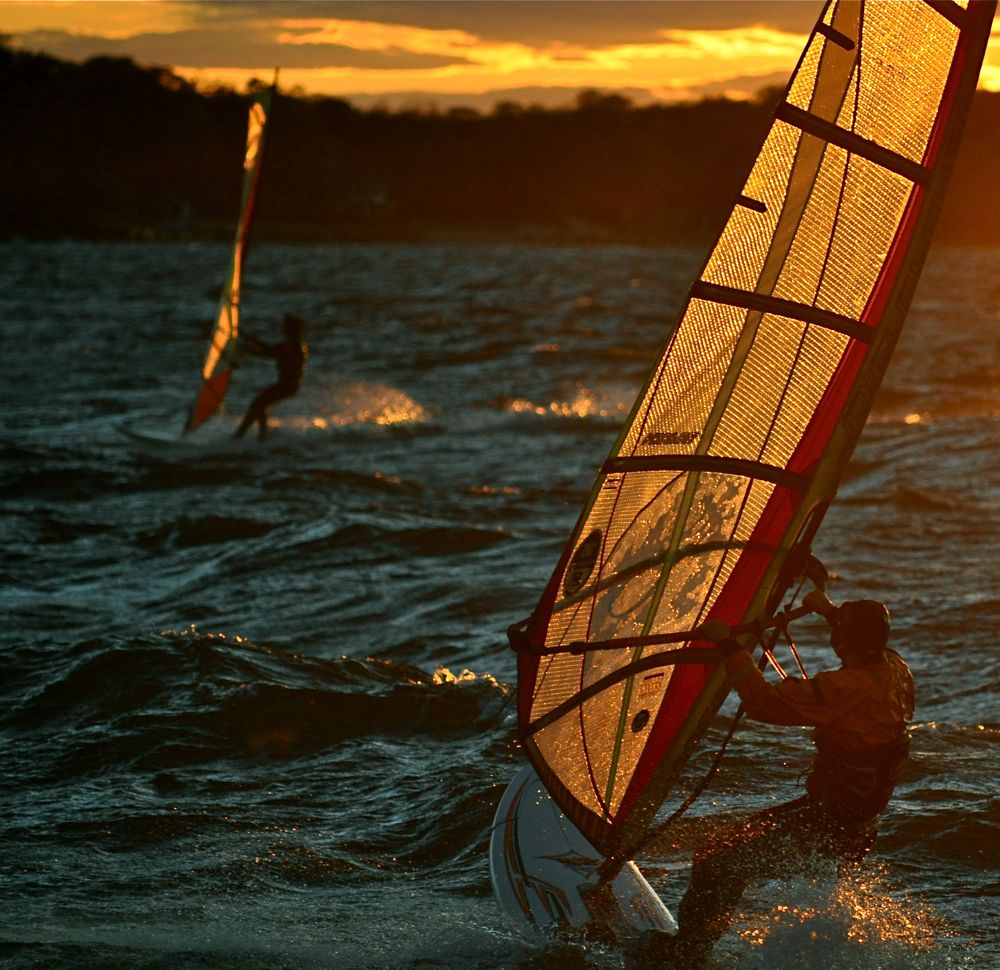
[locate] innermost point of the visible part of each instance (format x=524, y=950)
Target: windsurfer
x=860, y=713
x=290, y=355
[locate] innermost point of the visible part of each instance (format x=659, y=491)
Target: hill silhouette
x=108, y=149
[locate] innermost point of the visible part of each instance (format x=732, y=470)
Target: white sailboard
x=710, y=498
x=548, y=876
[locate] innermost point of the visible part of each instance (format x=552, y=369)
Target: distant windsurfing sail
x=713, y=492
x=221, y=357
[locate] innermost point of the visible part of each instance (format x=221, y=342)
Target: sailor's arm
x=793, y=701
x=761, y=700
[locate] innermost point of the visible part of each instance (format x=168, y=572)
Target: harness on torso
x=855, y=785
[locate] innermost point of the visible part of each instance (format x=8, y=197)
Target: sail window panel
x=718, y=504
x=696, y=581
x=640, y=532
x=748, y=237
x=906, y=55
x=601, y=511
x=756, y=495
x=643, y=530
x=679, y=401
x=779, y=388
x=691, y=589
x=616, y=600
x=570, y=619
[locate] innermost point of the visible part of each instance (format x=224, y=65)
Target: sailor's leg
x=768, y=844
x=249, y=418
x=267, y=397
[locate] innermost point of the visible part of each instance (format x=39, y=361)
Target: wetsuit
x=290, y=356
x=860, y=713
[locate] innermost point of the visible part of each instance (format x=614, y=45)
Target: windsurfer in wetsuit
x=290, y=355
x=860, y=714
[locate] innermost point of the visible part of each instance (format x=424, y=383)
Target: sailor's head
x=859, y=631
x=293, y=325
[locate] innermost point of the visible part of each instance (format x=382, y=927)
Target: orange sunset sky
x=445, y=52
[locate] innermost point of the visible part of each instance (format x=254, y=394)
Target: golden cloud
x=116, y=21
x=719, y=53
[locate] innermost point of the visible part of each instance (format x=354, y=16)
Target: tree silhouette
x=109, y=149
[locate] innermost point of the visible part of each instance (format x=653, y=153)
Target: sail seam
x=851, y=142
x=745, y=468
x=730, y=296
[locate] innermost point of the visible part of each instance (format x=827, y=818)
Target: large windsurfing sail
x=221, y=356
x=714, y=489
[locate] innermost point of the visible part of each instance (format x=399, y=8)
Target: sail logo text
x=670, y=437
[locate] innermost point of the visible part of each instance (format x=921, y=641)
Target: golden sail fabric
x=734, y=449
x=221, y=356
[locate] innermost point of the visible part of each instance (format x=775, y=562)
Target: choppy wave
x=257, y=698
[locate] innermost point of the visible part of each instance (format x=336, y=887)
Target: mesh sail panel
x=746, y=422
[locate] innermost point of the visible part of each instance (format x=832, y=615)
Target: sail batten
x=717, y=293
x=736, y=445
x=741, y=467
x=855, y=144
x=831, y=33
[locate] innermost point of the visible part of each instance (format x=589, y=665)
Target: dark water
x=256, y=700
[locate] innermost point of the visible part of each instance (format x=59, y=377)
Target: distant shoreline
x=111, y=150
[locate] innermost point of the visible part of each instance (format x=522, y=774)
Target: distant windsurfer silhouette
x=290, y=356
x=860, y=713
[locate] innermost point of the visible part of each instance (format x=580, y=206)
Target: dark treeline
x=108, y=149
